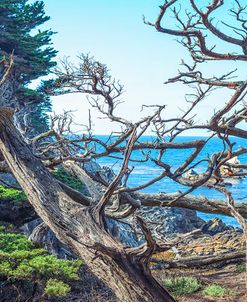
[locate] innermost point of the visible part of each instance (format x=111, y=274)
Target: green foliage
x=21, y=32
x=180, y=286
x=40, y=119
x=20, y=259
x=12, y=194
x=41, y=105
x=57, y=288
x=14, y=242
x=215, y=290
x=48, y=267
x=240, y=268
x=71, y=181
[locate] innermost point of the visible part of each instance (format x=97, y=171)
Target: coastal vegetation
x=57, y=288
x=12, y=194
x=181, y=286
x=20, y=259
x=22, y=35
x=68, y=179
x=217, y=291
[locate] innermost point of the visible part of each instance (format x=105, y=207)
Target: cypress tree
x=20, y=34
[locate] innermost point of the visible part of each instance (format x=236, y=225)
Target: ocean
x=145, y=171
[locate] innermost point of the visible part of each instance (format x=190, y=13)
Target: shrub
x=71, y=181
x=14, y=242
x=215, y=290
x=15, y=195
x=5, y=268
x=180, y=286
x=48, y=266
x=19, y=259
x=240, y=268
x=43, y=266
x=57, y=288
x=12, y=194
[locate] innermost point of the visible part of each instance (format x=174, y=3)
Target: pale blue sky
x=141, y=58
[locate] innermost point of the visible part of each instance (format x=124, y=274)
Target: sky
x=141, y=58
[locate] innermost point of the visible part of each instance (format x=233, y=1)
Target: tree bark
x=198, y=203
x=202, y=261
x=78, y=224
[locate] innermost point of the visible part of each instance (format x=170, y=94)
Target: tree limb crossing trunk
x=76, y=224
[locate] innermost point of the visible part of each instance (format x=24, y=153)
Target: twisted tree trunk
x=77, y=224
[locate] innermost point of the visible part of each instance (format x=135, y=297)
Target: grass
x=181, y=286
x=218, y=291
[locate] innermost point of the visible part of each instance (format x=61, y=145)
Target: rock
x=9, y=179
x=28, y=228
x=104, y=173
x=222, y=243
x=228, y=241
x=123, y=232
x=16, y=213
x=168, y=222
x=162, y=221
x=214, y=226
x=41, y=235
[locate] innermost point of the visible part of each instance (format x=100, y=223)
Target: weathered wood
x=198, y=203
x=76, y=224
x=201, y=261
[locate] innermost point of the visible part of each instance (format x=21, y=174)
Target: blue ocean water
x=145, y=171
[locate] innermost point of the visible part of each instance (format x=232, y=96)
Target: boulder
x=224, y=242
x=16, y=213
x=123, y=232
x=103, y=173
x=214, y=226
x=42, y=236
x=9, y=179
x=163, y=222
x=168, y=222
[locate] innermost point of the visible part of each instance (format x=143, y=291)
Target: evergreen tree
x=33, y=53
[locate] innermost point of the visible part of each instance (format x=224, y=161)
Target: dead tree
x=80, y=221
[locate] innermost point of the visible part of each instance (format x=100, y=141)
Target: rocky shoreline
x=227, y=242
x=164, y=223
x=216, y=240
